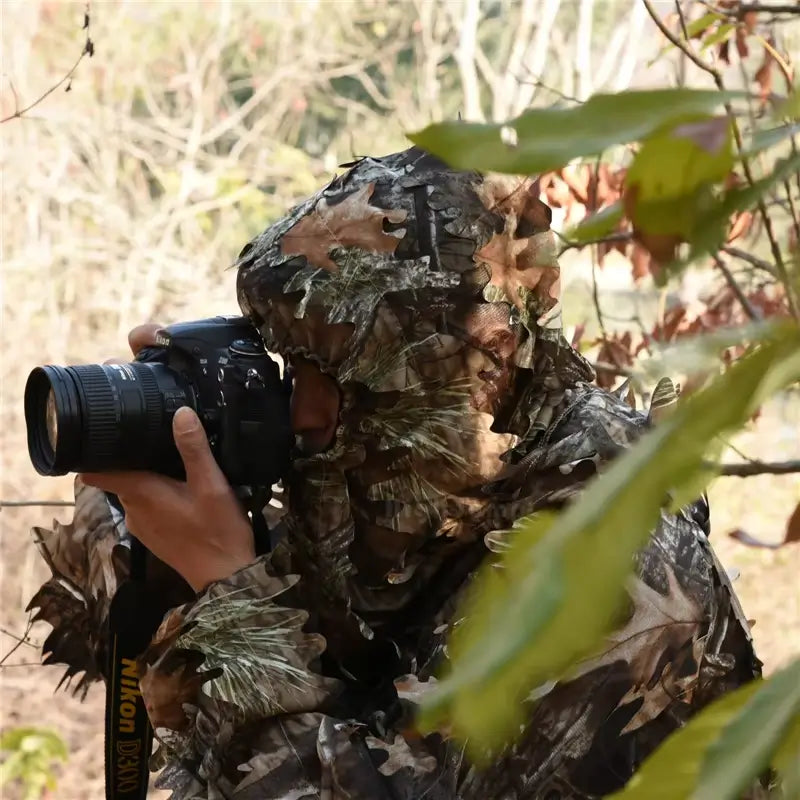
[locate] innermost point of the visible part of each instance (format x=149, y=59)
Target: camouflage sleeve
x=230, y=679
x=240, y=710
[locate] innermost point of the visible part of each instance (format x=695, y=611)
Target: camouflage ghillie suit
x=432, y=298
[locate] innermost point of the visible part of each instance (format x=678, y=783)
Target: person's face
x=314, y=407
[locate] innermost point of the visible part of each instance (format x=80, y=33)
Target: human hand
x=195, y=526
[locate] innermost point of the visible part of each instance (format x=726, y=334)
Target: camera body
x=98, y=418
x=236, y=389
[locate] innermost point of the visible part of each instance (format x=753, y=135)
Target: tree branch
x=682, y=46
x=758, y=468
x=26, y=503
x=787, y=8
x=749, y=258
x=748, y=307
x=88, y=49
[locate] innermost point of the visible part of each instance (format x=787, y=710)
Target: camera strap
x=133, y=619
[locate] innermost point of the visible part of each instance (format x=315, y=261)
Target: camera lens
x=99, y=417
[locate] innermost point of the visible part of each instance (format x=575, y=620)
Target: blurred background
x=129, y=190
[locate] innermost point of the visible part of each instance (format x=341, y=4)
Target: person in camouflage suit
x=430, y=298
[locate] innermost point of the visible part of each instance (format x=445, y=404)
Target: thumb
x=195, y=452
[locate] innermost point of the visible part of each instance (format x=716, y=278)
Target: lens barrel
x=102, y=417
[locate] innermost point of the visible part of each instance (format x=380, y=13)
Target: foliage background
x=196, y=123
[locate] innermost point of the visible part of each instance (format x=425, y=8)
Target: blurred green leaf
x=549, y=138
x=702, y=23
x=29, y=754
x=598, y=225
x=720, y=35
x=720, y=752
x=711, y=225
x=769, y=137
x=671, y=175
x=677, y=159
x=564, y=584
x=787, y=760
x=790, y=108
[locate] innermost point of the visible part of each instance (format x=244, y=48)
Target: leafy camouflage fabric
x=431, y=297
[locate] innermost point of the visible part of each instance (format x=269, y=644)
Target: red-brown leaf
x=793, y=526
x=351, y=222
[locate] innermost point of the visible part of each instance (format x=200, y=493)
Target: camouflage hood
x=432, y=297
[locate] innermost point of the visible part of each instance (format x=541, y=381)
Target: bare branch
x=26, y=503
x=680, y=44
x=88, y=50
x=758, y=468
x=536, y=55
x=748, y=307
x=787, y=8
x=465, y=58
x=749, y=258
x=583, y=49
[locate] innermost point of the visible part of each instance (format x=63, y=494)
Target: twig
x=754, y=261
x=758, y=468
x=21, y=640
x=88, y=49
x=748, y=307
x=25, y=503
x=690, y=54
x=744, y=8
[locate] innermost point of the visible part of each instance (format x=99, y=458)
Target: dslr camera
x=103, y=417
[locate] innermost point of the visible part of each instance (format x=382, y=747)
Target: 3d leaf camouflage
x=431, y=296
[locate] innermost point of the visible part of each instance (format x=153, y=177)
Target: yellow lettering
x=126, y=726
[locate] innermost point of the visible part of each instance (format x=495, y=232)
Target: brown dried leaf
x=740, y=225
x=641, y=263
x=763, y=76
x=741, y=42
x=351, y=222
x=793, y=526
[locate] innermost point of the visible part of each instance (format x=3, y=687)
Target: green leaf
x=746, y=745
x=764, y=139
x=720, y=35
x=673, y=171
x=547, y=139
x=702, y=23
x=719, y=752
x=598, y=225
x=564, y=584
x=790, y=108
x=787, y=761
x=710, y=227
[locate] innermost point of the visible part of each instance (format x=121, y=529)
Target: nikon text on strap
x=133, y=619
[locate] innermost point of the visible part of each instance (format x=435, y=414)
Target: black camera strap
x=133, y=620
